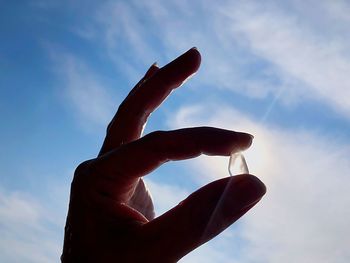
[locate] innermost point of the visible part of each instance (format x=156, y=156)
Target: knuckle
x=130, y=110
x=109, y=127
x=81, y=173
x=123, y=107
x=156, y=135
x=83, y=168
x=156, y=139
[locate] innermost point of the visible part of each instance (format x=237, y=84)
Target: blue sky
x=279, y=70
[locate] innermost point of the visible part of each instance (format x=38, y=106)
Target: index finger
x=140, y=157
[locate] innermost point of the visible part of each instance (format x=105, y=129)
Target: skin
x=111, y=217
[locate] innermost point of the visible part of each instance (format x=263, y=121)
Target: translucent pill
x=237, y=164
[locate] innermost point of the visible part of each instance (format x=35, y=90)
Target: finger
x=132, y=114
x=201, y=216
x=140, y=157
x=150, y=72
x=108, y=139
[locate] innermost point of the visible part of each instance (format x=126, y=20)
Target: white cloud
x=125, y=38
x=83, y=91
x=14, y=208
x=303, y=217
x=28, y=229
x=297, y=49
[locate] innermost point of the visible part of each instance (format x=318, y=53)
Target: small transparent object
x=237, y=164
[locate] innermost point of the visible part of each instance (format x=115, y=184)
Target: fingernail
x=246, y=140
x=191, y=49
x=151, y=69
x=251, y=139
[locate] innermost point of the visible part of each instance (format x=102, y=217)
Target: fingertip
x=245, y=140
x=236, y=141
x=152, y=70
x=255, y=186
x=195, y=57
x=155, y=65
x=188, y=62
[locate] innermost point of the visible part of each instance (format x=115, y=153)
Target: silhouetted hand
x=111, y=216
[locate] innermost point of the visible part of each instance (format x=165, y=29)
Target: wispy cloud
x=312, y=56
x=28, y=229
x=125, y=37
x=83, y=90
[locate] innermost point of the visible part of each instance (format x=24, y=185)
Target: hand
x=111, y=217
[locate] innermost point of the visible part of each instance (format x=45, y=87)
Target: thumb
x=202, y=216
